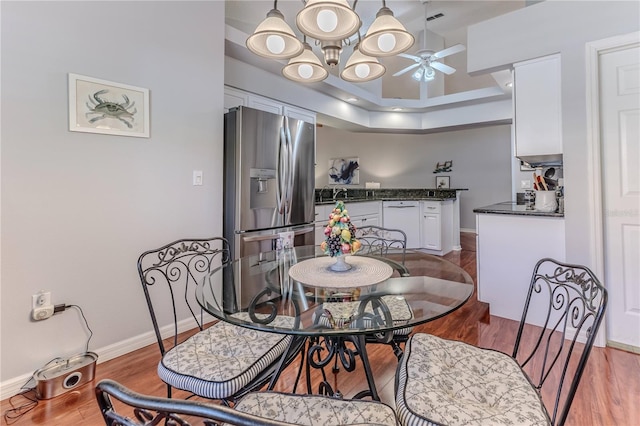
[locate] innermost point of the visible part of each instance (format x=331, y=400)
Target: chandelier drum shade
x=331, y=23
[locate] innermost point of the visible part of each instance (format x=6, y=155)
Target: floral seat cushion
x=315, y=410
x=222, y=359
x=342, y=312
x=447, y=382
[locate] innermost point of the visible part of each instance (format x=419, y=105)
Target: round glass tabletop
x=295, y=291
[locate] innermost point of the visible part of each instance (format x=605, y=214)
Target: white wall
x=481, y=161
x=561, y=27
x=78, y=208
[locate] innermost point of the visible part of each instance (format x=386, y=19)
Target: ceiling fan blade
x=407, y=69
x=449, y=51
x=414, y=57
x=443, y=68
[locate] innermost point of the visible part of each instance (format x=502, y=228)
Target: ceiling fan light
x=274, y=38
x=328, y=20
x=305, y=68
x=360, y=68
x=386, y=36
x=429, y=74
x=417, y=75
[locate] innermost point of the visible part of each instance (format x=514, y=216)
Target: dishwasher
x=403, y=215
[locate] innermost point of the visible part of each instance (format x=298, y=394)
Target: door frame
x=594, y=146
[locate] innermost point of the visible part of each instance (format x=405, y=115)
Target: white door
x=620, y=136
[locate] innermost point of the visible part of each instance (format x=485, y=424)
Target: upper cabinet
x=537, y=107
x=299, y=113
x=265, y=104
x=234, y=98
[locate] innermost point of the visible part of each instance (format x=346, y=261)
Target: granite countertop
x=512, y=208
x=354, y=195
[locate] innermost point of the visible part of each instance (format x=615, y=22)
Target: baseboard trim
x=473, y=231
x=13, y=386
x=624, y=347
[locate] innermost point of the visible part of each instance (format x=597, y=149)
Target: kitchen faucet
x=322, y=191
x=337, y=191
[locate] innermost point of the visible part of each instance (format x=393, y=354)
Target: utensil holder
x=546, y=201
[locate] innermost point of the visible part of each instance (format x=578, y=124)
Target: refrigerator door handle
x=290, y=172
x=263, y=237
x=280, y=173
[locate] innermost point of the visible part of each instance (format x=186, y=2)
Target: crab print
x=100, y=108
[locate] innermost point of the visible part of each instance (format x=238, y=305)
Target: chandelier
x=331, y=23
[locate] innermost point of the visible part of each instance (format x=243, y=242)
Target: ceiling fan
x=426, y=60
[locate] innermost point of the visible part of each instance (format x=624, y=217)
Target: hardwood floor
x=608, y=395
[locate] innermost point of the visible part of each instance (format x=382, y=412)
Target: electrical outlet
x=525, y=184
x=41, y=299
x=41, y=305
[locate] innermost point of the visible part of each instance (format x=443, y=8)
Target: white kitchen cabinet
x=372, y=220
x=299, y=113
x=429, y=225
x=508, y=247
x=436, y=226
x=537, y=107
x=431, y=233
x=321, y=220
x=235, y=98
x=265, y=104
x=362, y=213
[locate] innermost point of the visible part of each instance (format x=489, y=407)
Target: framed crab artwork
x=100, y=106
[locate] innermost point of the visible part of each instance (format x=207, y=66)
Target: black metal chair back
x=378, y=240
x=568, y=302
x=169, y=276
x=143, y=410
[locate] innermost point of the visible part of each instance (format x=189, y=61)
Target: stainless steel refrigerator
x=269, y=180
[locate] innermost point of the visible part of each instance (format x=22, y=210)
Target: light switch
x=197, y=177
x=525, y=184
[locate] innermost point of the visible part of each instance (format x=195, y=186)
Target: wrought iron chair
x=258, y=408
x=377, y=240
x=448, y=382
x=223, y=361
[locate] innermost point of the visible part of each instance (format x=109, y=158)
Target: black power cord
x=86, y=323
x=28, y=391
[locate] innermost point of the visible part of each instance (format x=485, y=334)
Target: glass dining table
x=333, y=314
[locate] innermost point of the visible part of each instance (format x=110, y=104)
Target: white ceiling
x=242, y=16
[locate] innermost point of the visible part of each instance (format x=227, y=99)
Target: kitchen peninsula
x=429, y=216
x=511, y=238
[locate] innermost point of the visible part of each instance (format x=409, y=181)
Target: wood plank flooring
x=608, y=395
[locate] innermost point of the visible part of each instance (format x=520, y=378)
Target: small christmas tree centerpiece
x=340, y=237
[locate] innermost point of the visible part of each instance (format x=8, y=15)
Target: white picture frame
x=442, y=182
x=106, y=107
